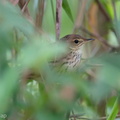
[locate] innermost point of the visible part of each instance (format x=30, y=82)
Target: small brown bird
x=72, y=58
x=74, y=55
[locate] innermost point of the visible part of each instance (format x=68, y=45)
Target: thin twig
x=58, y=17
x=80, y=117
x=105, y=14
x=80, y=16
x=103, y=10
x=40, y=13
x=105, y=44
x=24, y=7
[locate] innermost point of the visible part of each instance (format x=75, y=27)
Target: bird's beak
x=90, y=39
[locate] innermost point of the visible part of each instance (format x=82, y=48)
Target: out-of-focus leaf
x=39, y=51
x=10, y=17
x=52, y=6
x=67, y=9
x=109, y=106
x=110, y=64
x=114, y=111
x=108, y=77
x=112, y=39
x=36, y=4
x=117, y=29
x=108, y=7
x=8, y=83
x=117, y=4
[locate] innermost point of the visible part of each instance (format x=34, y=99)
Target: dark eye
x=76, y=41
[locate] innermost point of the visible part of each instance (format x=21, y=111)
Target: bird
x=72, y=58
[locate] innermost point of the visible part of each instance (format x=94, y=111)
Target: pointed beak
x=90, y=39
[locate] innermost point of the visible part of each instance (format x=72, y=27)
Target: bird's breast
x=72, y=60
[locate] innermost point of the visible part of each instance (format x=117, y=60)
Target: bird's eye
x=76, y=41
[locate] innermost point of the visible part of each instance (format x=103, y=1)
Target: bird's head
x=75, y=41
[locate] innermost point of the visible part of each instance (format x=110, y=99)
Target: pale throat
x=79, y=51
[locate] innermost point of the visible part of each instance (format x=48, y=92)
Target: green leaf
x=8, y=84
x=53, y=13
x=114, y=111
x=10, y=17
x=67, y=9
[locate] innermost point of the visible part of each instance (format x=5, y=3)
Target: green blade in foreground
x=67, y=9
x=114, y=111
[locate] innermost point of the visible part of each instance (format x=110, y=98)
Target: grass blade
x=67, y=9
x=114, y=111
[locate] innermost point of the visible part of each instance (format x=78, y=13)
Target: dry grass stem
x=58, y=17
x=80, y=16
